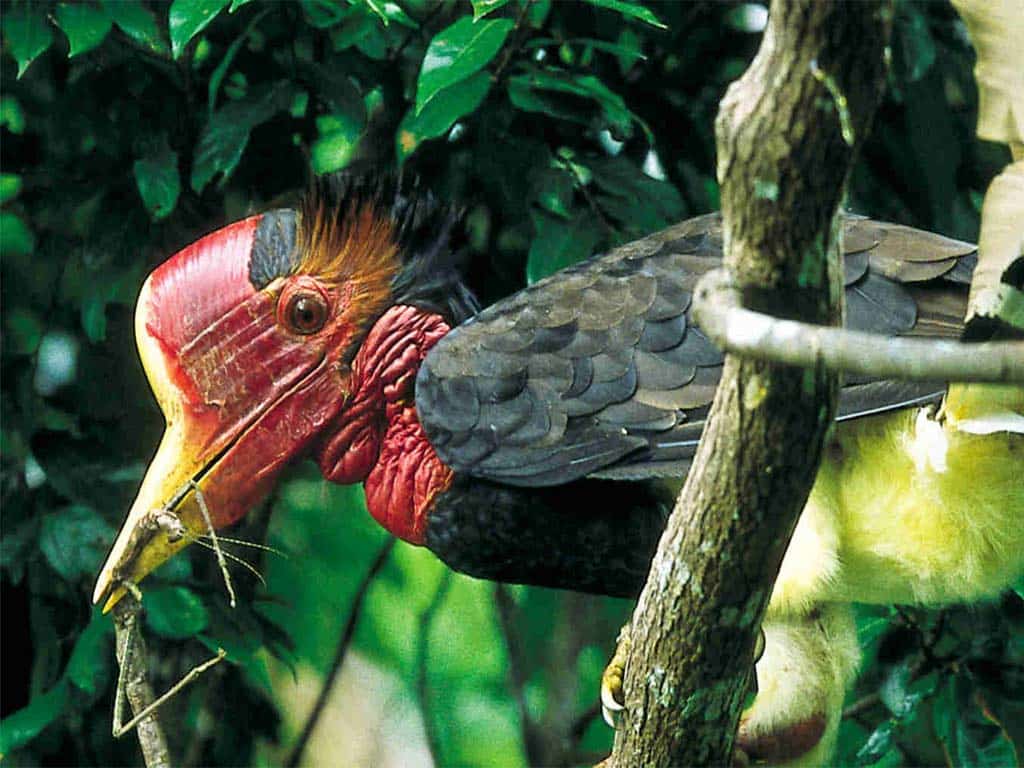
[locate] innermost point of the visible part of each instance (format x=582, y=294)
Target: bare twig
x=133, y=684
x=422, y=658
x=173, y=691
x=717, y=308
x=512, y=49
x=340, y=652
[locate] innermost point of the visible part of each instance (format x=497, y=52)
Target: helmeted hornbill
x=501, y=440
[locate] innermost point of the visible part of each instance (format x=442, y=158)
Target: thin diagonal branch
x=422, y=661
x=341, y=651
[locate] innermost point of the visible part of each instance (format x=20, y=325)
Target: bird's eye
x=306, y=313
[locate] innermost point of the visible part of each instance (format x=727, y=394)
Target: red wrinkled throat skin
x=400, y=471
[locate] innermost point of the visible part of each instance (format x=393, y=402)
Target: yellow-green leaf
x=338, y=139
x=441, y=113
x=10, y=186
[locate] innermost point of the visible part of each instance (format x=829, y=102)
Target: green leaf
x=636, y=202
x=917, y=52
x=74, y=541
x=441, y=113
x=340, y=92
x=138, y=22
x=336, y=143
x=89, y=666
x=225, y=136
x=544, y=90
x=554, y=192
x=229, y=56
x=559, y=243
x=28, y=34
x=187, y=18
x=11, y=115
x=94, y=315
x=483, y=7
x=20, y=728
x=156, y=176
x=627, y=51
x=16, y=238
x=86, y=26
x=236, y=4
x=323, y=14
x=457, y=52
x=389, y=11
x=23, y=331
x=18, y=544
x=877, y=745
x=241, y=635
x=175, y=612
x=631, y=11
x=895, y=691
x=10, y=186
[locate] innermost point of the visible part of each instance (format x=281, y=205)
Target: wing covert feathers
x=598, y=369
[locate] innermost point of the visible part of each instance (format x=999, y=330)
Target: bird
x=542, y=440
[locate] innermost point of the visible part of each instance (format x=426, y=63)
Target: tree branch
x=786, y=135
x=133, y=682
x=756, y=336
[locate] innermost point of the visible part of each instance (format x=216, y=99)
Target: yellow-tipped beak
x=164, y=518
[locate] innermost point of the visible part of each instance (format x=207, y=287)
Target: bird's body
x=528, y=442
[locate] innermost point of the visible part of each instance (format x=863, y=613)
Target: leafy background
x=129, y=129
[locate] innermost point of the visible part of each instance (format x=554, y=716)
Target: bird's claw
x=612, y=697
x=613, y=700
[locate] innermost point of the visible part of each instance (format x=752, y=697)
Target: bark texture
x=787, y=133
x=133, y=659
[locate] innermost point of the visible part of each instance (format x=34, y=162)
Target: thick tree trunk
x=787, y=132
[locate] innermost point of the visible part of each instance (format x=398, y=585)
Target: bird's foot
x=612, y=698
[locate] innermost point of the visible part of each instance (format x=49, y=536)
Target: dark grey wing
x=914, y=284
x=598, y=370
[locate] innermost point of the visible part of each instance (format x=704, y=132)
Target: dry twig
x=133, y=684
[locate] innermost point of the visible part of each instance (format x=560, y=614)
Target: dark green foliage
x=131, y=128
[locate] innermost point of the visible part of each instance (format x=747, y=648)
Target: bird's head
x=246, y=337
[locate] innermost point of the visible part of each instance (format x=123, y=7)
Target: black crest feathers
x=358, y=223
